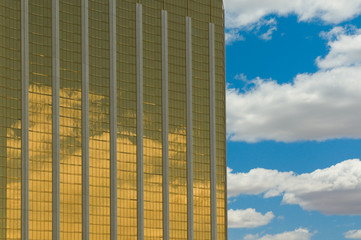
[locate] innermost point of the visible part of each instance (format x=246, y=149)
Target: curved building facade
x=112, y=119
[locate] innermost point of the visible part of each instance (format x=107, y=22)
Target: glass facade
x=40, y=120
x=152, y=119
x=40, y=79
x=99, y=135
x=126, y=120
x=221, y=168
x=10, y=119
x=177, y=116
x=70, y=119
x=200, y=13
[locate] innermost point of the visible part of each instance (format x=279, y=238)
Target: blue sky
x=293, y=119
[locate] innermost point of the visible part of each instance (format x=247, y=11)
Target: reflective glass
x=177, y=119
x=152, y=119
x=40, y=120
x=126, y=120
x=10, y=119
x=70, y=120
x=99, y=126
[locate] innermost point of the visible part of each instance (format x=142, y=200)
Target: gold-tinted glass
x=152, y=119
x=40, y=120
x=126, y=120
x=40, y=103
x=10, y=119
x=218, y=20
x=70, y=120
x=99, y=140
x=177, y=106
x=200, y=13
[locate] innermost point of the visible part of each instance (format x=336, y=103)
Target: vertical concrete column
x=85, y=120
x=189, y=128
x=25, y=120
x=212, y=122
x=165, y=125
x=140, y=170
x=113, y=119
x=56, y=119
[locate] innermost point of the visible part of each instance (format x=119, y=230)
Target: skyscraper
x=112, y=119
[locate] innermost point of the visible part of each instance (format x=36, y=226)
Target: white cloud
x=345, y=51
x=241, y=77
x=264, y=29
x=353, y=234
x=319, y=106
x=256, y=181
x=333, y=190
x=250, y=14
x=242, y=13
x=233, y=36
x=248, y=218
x=268, y=35
x=298, y=234
x=338, y=31
x=270, y=24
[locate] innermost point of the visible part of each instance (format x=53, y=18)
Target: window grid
x=10, y=120
x=217, y=18
x=99, y=117
x=40, y=120
x=177, y=120
x=201, y=120
x=40, y=103
x=126, y=120
x=70, y=120
x=220, y=153
x=152, y=119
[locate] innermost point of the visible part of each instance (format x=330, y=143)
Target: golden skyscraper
x=112, y=119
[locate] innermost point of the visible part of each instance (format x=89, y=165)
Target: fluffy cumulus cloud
x=248, y=218
x=242, y=13
x=345, y=48
x=333, y=190
x=298, y=234
x=319, y=106
x=353, y=234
